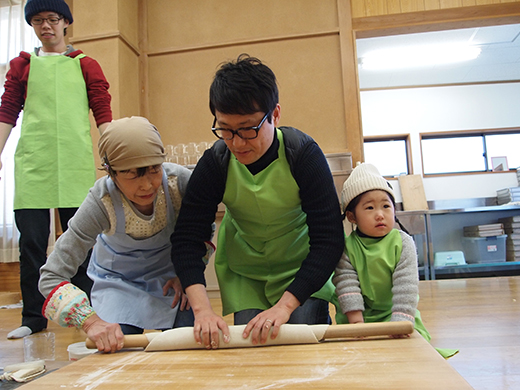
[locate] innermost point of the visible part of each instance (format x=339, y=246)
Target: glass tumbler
x=38, y=346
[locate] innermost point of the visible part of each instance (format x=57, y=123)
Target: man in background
x=54, y=165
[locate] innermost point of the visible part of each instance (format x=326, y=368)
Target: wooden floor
x=481, y=317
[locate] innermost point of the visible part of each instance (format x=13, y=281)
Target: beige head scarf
x=130, y=143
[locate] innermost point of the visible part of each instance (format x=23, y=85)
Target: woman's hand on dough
x=107, y=336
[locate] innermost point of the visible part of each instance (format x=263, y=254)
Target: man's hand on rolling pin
x=108, y=337
x=271, y=319
x=207, y=325
x=207, y=328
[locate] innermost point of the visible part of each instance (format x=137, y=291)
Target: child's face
x=374, y=214
x=140, y=190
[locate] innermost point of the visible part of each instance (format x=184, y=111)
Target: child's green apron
x=375, y=260
x=54, y=164
x=263, y=238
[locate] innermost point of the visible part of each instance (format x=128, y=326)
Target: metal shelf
x=478, y=267
x=441, y=229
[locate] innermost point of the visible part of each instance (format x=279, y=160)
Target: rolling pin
x=183, y=338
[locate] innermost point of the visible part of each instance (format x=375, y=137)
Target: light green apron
x=263, y=238
x=374, y=260
x=54, y=163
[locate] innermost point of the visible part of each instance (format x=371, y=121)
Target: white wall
x=421, y=110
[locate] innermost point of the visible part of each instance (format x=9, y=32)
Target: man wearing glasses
x=54, y=165
x=281, y=235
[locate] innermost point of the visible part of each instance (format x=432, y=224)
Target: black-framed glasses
x=243, y=132
x=54, y=20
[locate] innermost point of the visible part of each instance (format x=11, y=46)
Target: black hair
x=243, y=87
x=141, y=171
x=354, y=202
x=68, y=21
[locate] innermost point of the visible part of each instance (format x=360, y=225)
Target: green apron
x=263, y=238
x=374, y=260
x=54, y=162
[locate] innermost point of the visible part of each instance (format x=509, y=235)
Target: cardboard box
x=340, y=162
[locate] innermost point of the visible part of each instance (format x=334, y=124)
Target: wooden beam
x=350, y=82
x=437, y=20
x=144, y=109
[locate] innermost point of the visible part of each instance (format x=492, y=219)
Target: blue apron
x=129, y=274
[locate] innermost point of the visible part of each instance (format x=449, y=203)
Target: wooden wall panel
x=178, y=95
x=450, y=4
x=375, y=7
x=411, y=6
x=432, y=5
x=394, y=6
x=358, y=7
x=105, y=52
x=195, y=23
x=95, y=17
x=129, y=20
x=129, y=94
x=307, y=70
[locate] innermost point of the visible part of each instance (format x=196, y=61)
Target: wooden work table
x=381, y=363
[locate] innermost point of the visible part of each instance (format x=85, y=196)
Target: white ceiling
x=499, y=59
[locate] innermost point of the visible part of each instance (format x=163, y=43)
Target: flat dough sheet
x=183, y=338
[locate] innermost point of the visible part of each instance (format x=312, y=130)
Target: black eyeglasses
x=54, y=20
x=243, y=132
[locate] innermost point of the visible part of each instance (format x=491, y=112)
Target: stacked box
x=512, y=229
x=487, y=230
x=508, y=195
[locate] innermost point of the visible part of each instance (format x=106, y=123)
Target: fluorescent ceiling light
x=416, y=56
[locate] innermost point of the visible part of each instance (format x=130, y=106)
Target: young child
x=377, y=279
x=128, y=218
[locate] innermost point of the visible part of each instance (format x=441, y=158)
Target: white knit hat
x=364, y=177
